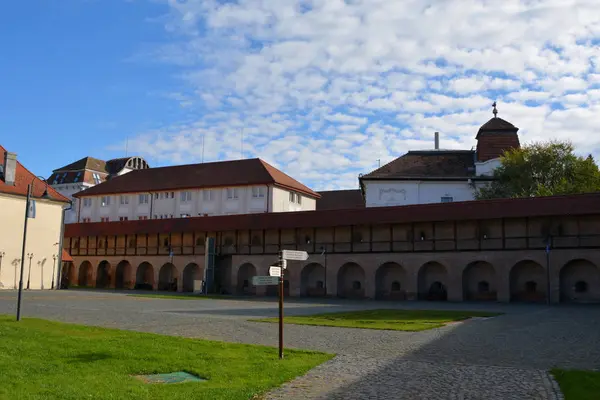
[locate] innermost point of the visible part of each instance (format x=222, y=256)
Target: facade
x=340, y=200
x=42, y=250
x=493, y=250
x=88, y=172
x=437, y=176
x=183, y=191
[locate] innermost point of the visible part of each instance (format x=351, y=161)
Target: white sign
x=31, y=210
x=275, y=271
x=265, y=280
x=294, y=255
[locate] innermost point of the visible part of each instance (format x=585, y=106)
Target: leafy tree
x=542, y=169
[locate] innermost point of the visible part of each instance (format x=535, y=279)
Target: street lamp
x=30, y=256
x=324, y=253
x=54, y=257
x=45, y=195
x=2, y=254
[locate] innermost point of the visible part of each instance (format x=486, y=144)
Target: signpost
x=265, y=280
x=275, y=271
x=295, y=255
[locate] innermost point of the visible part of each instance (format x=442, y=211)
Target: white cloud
x=324, y=88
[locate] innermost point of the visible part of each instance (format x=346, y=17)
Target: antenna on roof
x=378, y=163
x=495, y=110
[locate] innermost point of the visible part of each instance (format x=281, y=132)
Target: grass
x=396, y=320
x=578, y=385
x=43, y=360
x=183, y=296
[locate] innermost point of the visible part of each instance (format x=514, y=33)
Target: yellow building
x=44, y=228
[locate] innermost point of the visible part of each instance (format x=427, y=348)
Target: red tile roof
x=584, y=204
x=23, y=178
x=195, y=176
x=340, y=200
x=66, y=257
x=497, y=125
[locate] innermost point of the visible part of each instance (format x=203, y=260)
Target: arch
x=432, y=282
x=390, y=280
x=167, y=278
x=312, y=280
x=85, y=274
x=144, y=276
x=244, y=279
x=479, y=281
x=103, y=278
x=527, y=281
x=580, y=282
x=351, y=281
x=123, y=275
x=192, y=274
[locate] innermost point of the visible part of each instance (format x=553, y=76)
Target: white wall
x=281, y=201
x=397, y=193
x=487, y=167
x=67, y=190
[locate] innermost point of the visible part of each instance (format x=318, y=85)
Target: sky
x=323, y=89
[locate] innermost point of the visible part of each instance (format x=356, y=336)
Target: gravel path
x=504, y=357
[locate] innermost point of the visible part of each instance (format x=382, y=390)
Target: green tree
x=542, y=169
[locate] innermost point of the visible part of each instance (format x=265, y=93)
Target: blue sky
x=322, y=89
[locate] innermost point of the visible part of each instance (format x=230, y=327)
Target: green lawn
x=396, y=320
x=578, y=385
x=48, y=360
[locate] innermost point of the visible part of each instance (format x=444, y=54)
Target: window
x=143, y=198
x=258, y=192
x=228, y=241
x=124, y=200
x=123, y=218
x=105, y=201
x=184, y=215
x=87, y=202
x=299, y=198
x=199, y=242
x=162, y=196
x=172, y=195
x=171, y=215
x=256, y=240
x=96, y=177
x=77, y=177
x=207, y=195
x=86, y=220
x=447, y=199
x=232, y=193
x=395, y=286
x=104, y=219
x=581, y=287
x=292, y=197
x=185, y=197
x=143, y=217
x=357, y=237
x=156, y=196
x=132, y=242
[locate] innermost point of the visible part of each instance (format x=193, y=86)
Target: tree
x=542, y=169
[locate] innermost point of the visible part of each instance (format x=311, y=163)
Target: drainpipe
x=268, y=197
x=60, y=243
x=151, y=205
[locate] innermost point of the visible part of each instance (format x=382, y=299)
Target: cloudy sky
x=323, y=89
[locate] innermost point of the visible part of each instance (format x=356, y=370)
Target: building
x=434, y=176
x=88, y=172
x=44, y=231
x=340, y=200
x=498, y=250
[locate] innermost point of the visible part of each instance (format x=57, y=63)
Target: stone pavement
x=505, y=357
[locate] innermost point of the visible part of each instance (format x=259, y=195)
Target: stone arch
x=191, y=274
x=123, y=275
x=390, y=281
x=580, y=282
x=244, y=279
x=103, y=275
x=351, y=281
x=479, y=281
x=312, y=280
x=432, y=282
x=144, y=276
x=84, y=277
x=527, y=281
x=167, y=278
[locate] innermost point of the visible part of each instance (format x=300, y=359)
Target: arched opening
x=351, y=278
x=388, y=281
x=192, y=278
x=433, y=282
x=479, y=282
x=580, y=282
x=123, y=275
x=85, y=274
x=244, y=279
x=312, y=280
x=103, y=275
x=167, y=278
x=70, y=275
x=527, y=282
x=144, y=277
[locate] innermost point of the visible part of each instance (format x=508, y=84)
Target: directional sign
x=294, y=255
x=274, y=271
x=265, y=280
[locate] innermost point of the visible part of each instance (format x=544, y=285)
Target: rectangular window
x=232, y=193
x=87, y=220
x=105, y=201
x=185, y=215
x=77, y=177
x=172, y=195
x=104, y=219
x=87, y=202
x=162, y=196
x=124, y=200
x=123, y=218
x=258, y=192
x=143, y=198
x=299, y=198
x=97, y=179
x=292, y=197
x=447, y=199
x=207, y=195
x=143, y=217
x=186, y=196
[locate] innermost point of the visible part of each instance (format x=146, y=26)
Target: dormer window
x=97, y=179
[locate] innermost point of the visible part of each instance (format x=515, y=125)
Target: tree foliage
x=542, y=169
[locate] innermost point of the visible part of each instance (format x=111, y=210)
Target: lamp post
x=27, y=205
x=54, y=257
x=30, y=256
x=2, y=254
x=324, y=253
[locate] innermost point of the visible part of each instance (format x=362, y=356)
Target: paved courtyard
x=505, y=357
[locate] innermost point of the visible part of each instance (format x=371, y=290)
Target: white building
x=217, y=188
x=88, y=172
x=434, y=176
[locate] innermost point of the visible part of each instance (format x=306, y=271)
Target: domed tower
x=494, y=138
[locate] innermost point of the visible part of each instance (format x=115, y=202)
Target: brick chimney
x=494, y=138
x=10, y=168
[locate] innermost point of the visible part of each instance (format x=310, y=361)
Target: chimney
x=437, y=140
x=10, y=168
